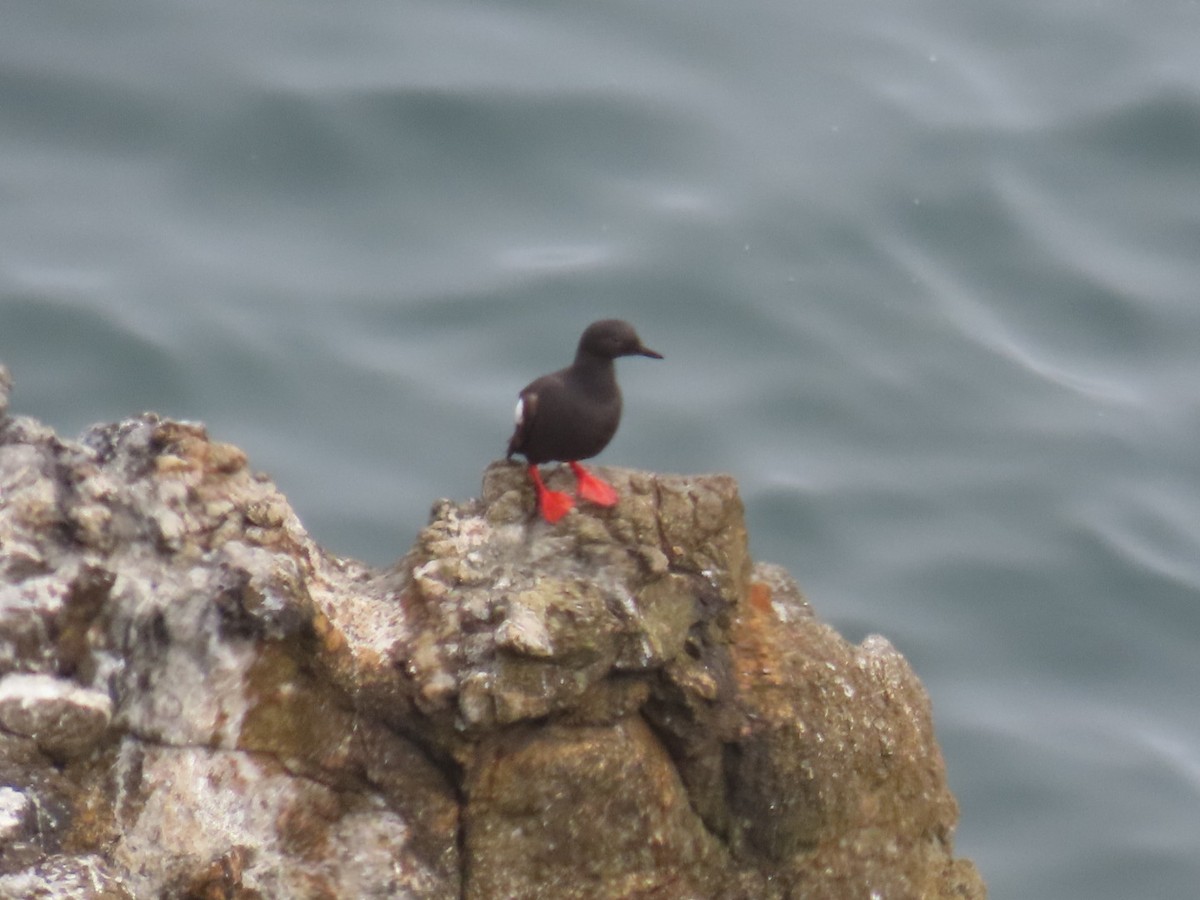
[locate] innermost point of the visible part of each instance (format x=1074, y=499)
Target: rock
x=198, y=701
x=18, y=829
x=62, y=717
x=77, y=877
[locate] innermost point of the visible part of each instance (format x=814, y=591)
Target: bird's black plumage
x=573, y=413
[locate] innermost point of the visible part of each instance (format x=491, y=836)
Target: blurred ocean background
x=926, y=275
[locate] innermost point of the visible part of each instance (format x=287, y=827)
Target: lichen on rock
x=196, y=700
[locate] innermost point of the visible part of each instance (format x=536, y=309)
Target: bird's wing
x=524, y=414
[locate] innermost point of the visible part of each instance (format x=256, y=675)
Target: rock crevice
x=196, y=700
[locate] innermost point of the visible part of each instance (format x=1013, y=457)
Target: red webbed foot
x=592, y=488
x=553, y=505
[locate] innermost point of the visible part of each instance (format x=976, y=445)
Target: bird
x=573, y=413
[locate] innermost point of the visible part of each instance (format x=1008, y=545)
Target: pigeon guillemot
x=573, y=413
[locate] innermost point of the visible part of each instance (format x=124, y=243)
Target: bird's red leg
x=592, y=488
x=552, y=504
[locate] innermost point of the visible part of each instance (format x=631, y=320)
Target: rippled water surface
x=926, y=276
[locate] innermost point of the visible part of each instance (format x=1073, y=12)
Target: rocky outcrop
x=197, y=701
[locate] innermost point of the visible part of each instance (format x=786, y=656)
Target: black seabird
x=573, y=413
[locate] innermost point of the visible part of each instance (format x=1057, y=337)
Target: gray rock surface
x=198, y=701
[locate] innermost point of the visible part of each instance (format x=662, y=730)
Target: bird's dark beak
x=646, y=351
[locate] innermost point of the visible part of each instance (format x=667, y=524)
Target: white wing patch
x=519, y=412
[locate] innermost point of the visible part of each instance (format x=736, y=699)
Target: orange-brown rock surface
x=198, y=701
